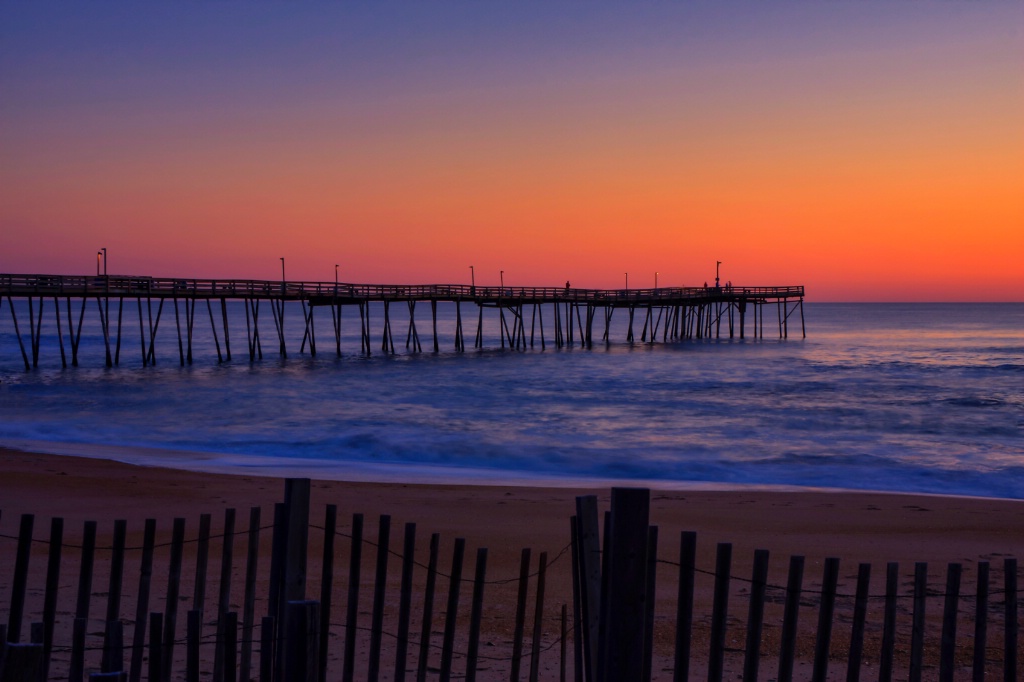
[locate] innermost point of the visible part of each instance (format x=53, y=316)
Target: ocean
x=924, y=398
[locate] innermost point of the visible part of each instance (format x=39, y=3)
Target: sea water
x=894, y=397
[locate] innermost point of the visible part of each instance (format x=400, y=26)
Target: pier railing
x=597, y=608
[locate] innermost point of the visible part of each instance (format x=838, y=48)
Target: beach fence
x=288, y=604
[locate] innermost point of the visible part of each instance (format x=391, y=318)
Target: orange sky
x=868, y=151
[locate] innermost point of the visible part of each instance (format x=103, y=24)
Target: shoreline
x=402, y=474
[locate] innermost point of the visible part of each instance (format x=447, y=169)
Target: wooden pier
x=576, y=317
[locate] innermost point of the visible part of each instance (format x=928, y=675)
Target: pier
x=574, y=316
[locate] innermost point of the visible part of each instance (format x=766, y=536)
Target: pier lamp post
x=104, y=250
x=627, y=281
x=472, y=277
x=282, y=271
x=501, y=275
x=335, y=274
x=99, y=255
x=655, y=280
x=717, y=265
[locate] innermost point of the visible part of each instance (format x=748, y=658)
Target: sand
x=854, y=527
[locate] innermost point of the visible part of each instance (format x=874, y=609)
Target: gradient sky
x=871, y=151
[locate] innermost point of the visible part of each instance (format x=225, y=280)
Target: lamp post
x=282, y=271
x=472, y=277
x=104, y=249
x=99, y=255
x=502, y=277
x=335, y=274
x=627, y=281
x=717, y=265
x=655, y=280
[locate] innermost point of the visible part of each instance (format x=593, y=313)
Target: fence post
x=651, y=580
x=455, y=582
x=623, y=648
x=1011, y=627
x=428, y=609
x=276, y=601
x=860, y=608
x=19, y=584
x=379, y=592
x=790, y=618
x=352, y=605
x=302, y=661
x=755, y=614
x=156, y=645
x=892, y=576
x=76, y=667
x=173, y=590
x=296, y=499
x=577, y=607
x=980, y=622
x=828, y=602
x=249, y=605
x=202, y=563
x=142, y=601
x=476, y=614
x=327, y=584
x=113, y=644
x=229, y=646
x=917, y=629
x=113, y=647
x=684, y=605
x=227, y=559
x=193, y=635
x=85, y=569
x=22, y=662
x=52, y=583
x=723, y=567
x=590, y=579
x=405, y=601
x=267, y=648
x=538, y=617
x=948, y=649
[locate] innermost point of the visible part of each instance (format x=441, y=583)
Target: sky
x=869, y=150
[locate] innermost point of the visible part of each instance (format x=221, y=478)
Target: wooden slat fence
x=167, y=604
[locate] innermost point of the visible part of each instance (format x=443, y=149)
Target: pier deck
x=673, y=313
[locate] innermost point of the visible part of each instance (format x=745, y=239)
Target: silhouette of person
x=566, y=285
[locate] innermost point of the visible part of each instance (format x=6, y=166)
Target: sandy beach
x=855, y=527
